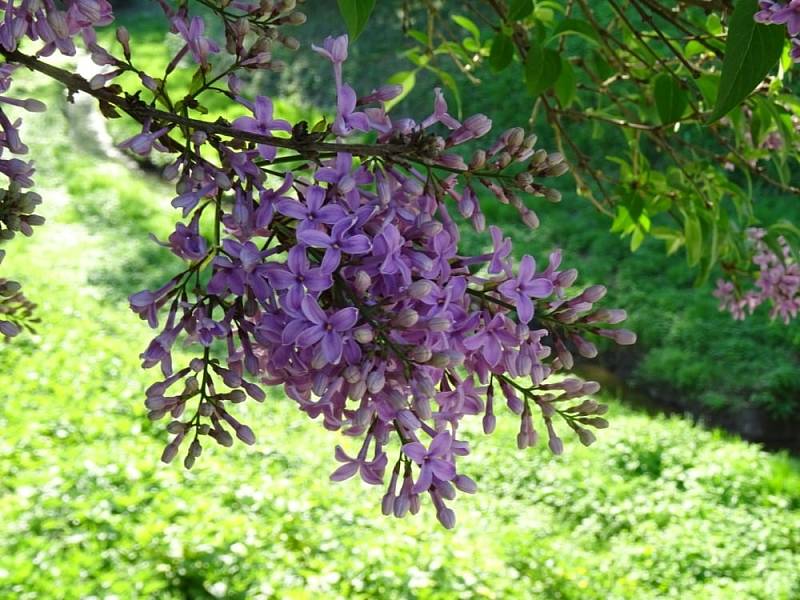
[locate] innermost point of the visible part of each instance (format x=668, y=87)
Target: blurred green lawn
x=657, y=508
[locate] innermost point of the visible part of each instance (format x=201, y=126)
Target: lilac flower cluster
x=54, y=28
x=778, y=282
x=333, y=268
x=346, y=286
x=773, y=12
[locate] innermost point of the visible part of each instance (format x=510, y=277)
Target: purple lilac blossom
x=343, y=283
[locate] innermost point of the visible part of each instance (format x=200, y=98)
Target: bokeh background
x=664, y=505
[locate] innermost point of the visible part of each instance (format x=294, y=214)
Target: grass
x=657, y=508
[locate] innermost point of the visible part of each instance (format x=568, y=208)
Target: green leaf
x=694, y=48
x=418, y=35
x=355, y=14
x=600, y=65
x=671, y=100
x=752, y=49
x=519, y=9
x=542, y=68
x=502, y=52
x=693, y=234
x=578, y=27
x=467, y=24
x=708, y=84
x=710, y=256
x=566, y=87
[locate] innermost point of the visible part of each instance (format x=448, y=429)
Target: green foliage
x=625, y=90
x=542, y=68
x=751, y=51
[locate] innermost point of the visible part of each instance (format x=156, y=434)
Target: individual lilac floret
x=328, y=329
x=313, y=212
x=432, y=461
x=263, y=124
x=192, y=33
x=298, y=277
x=371, y=471
x=524, y=286
x=335, y=50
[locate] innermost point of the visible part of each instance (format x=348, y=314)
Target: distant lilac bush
x=330, y=267
x=778, y=282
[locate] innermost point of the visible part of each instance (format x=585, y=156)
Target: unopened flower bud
x=439, y=324
x=440, y=360
x=465, y=484
x=171, y=449
x=421, y=354
x=530, y=141
x=478, y=160
x=223, y=437
x=420, y=288
x=623, y=337
x=351, y=374
x=446, y=517
x=529, y=218
x=538, y=158
x=363, y=335
x=597, y=422
x=362, y=282
x=489, y=423
x=176, y=427
x=375, y=382
x=556, y=445
x=590, y=387
x=586, y=437
x=387, y=504
x=552, y=195
x=557, y=170
x=567, y=278
x=244, y=433
x=593, y=293
x=585, y=348
x=406, y=318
